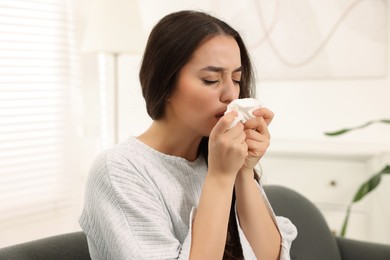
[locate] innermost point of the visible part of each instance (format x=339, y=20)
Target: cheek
x=195, y=96
x=203, y=100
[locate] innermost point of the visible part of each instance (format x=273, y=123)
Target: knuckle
x=264, y=147
x=227, y=119
x=271, y=114
x=222, y=142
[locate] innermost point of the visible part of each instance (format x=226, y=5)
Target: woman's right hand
x=227, y=147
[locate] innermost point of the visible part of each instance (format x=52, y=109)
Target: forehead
x=220, y=50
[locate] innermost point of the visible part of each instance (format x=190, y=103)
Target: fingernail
x=256, y=113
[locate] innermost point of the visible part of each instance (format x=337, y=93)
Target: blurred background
x=69, y=89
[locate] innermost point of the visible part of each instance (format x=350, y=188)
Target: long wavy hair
x=171, y=44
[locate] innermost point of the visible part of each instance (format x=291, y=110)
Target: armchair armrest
x=359, y=250
x=70, y=246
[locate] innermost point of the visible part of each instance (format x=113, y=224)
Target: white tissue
x=244, y=108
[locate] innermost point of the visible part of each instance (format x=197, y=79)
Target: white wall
x=304, y=108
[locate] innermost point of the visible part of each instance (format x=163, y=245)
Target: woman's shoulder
x=126, y=153
x=118, y=163
x=134, y=159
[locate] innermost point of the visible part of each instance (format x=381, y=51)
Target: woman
x=185, y=188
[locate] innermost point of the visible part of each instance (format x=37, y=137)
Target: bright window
x=38, y=73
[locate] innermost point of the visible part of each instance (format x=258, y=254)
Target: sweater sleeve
x=287, y=229
x=125, y=218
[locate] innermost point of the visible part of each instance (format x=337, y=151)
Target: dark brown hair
x=171, y=44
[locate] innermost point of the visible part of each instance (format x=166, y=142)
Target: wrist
x=221, y=180
x=245, y=175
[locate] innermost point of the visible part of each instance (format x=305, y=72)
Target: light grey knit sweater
x=140, y=204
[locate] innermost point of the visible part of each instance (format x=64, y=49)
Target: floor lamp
x=114, y=27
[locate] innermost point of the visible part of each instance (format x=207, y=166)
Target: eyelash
x=211, y=82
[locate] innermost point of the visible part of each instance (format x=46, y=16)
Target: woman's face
x=206, y=85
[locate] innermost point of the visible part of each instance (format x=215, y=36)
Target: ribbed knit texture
x=140, y=203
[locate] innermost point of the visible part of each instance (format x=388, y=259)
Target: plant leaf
x=386, y=170
x=367, y=187
x=363, y=190
x=371, y=184
x=345, y=224
x=339, y=132
x=346, y=130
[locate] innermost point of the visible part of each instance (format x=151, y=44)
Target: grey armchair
x=70, y=246
x=314, y=241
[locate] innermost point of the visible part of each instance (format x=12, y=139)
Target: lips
x=220, y=114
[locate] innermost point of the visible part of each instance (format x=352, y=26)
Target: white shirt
x=140, y=203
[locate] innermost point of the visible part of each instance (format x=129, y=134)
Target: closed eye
x=238, y=82
x=210, y=82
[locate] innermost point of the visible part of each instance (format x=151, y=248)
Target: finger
x=224, y=122
x=256, y=136
x=263, y=127
x=260, y=131
x=257, y=123
x=258, y=126
x=267, y=114
x=235, y=131
x=257, y=148
x=242, y=137
x=253, y=135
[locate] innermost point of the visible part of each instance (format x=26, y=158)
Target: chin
x=206, y=130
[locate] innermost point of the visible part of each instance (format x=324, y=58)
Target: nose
x=230, y=91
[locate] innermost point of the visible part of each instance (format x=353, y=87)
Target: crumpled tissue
x=244, y=107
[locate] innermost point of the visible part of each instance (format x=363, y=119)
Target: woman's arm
x=253, y=214
x=255, y=219
x=211, y=221
x=209, y=228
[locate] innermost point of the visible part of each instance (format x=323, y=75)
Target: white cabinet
x=328, y=174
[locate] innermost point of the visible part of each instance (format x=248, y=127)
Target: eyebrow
x=220, y=69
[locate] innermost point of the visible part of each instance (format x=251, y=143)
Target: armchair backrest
x=314, y=240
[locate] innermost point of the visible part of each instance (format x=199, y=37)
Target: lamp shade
x=114, y=26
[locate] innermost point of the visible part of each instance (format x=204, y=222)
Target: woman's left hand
x=257, y=137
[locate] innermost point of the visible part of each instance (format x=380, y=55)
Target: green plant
x=369, y=185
